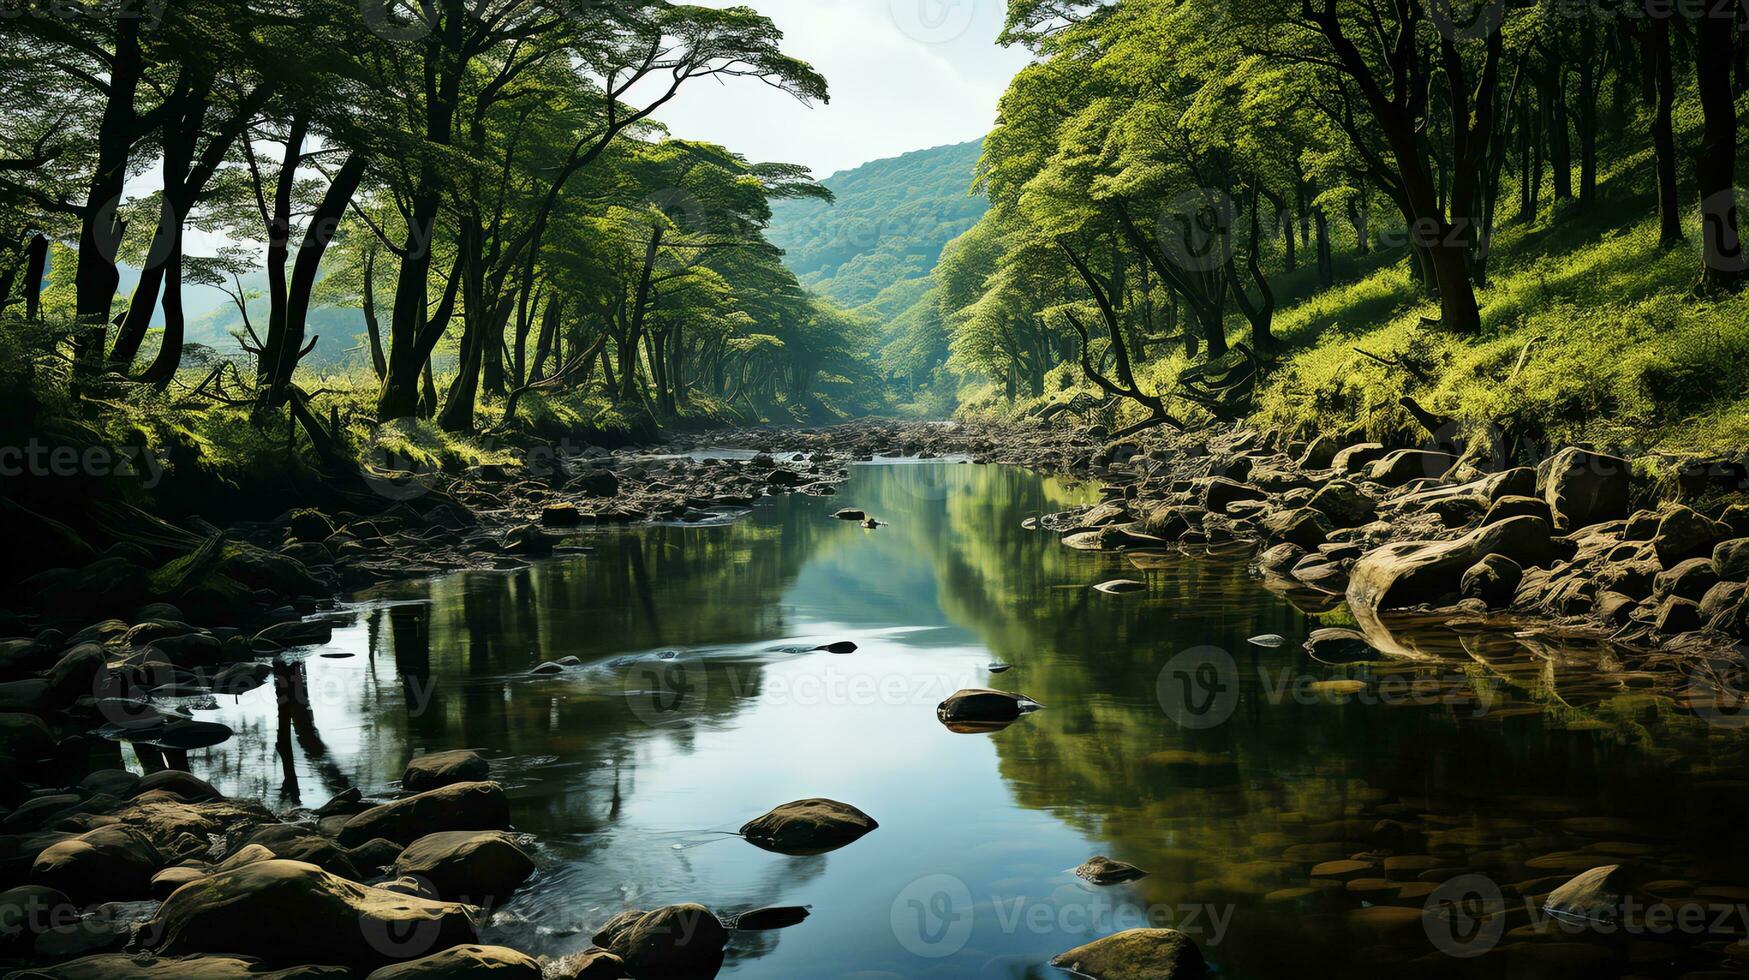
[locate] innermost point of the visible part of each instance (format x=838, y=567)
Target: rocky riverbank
x=110, y=873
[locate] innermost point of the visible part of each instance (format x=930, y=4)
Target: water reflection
x=1298, y=820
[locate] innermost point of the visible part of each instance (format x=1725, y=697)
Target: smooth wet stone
x=1268, y=640
x=812, y=826
x=145, y=966
x=547, y=668
x=1102, y=870
x=289, y=911
x=849, y=514
x=678, y=941
x=1594, y=896
x=465, y=963
x=981, y=705
x=779, y=917
x=1334, y=645
x=841, y=646
x=1136, y=954
x=439, y=769
x=460, y=806
x=478, y=867
x=113, y=863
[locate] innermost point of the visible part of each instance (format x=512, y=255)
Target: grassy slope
x=1621, y=354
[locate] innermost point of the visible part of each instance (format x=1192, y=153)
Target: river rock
x=465, y=963
x=1689, y=579
x=1343, y=504
x=27, y=911
x=1407, y=465
x=276, y=909
x=1584, y=488
x=1677, y=615
x=1102, y=870
x=764, y=919
x=1684, y=533
x=1319, y=453
x=812, y=826
x=561, y=515
x=591, y=964
x=459, y=806
x=144, y=966
x=1731, y=560
x=295, y=843
x=1409, y=573
x=597, y=483
x=1221, y=492
x=478, y=867
x=1356, y=458
x=676, y=941
x=1594, y=896
x=114, y=863
x=1302, y=526
x=849, y=514
x=1280, y=559
x=1517, y=506
x=980, y=705
x=1136, y=954
x=439, y=769
x=177, y=783
x=1494, y=580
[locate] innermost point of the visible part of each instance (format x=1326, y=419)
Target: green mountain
x=886, y=230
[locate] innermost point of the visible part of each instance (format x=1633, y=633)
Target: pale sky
x=904, y=74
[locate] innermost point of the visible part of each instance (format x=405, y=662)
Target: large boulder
x=1356, y=458
x=145, y=966
x=1136, y=954
x=477, y=867
x=1345, y=504
x=1689, y=579
x=109, y=864
x=459, y=806
x=1220, y=493
x=1415, y=572
x=1302, y=526
x=808, y=827
x=1685, y=533
x=1584, y=488
x=289, y=911
x=465, y=963
x=676, y=941
x=294, y=843
x=1407, y=465
x=1731, y=560
x=1494, y=580
x=440, y=769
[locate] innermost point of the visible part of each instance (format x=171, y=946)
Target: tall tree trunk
x=279, y=249
x=96, y=276
x=1560, y=140
x=1715, y=168
x=36, y=259
x=317, y=234
x=1657, y=39
x=1589, y=85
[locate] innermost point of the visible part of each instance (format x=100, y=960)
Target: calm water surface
x=1166, y=741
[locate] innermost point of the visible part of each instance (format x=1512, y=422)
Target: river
x=1227, y=769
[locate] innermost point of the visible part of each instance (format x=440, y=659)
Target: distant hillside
x=888, y=226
